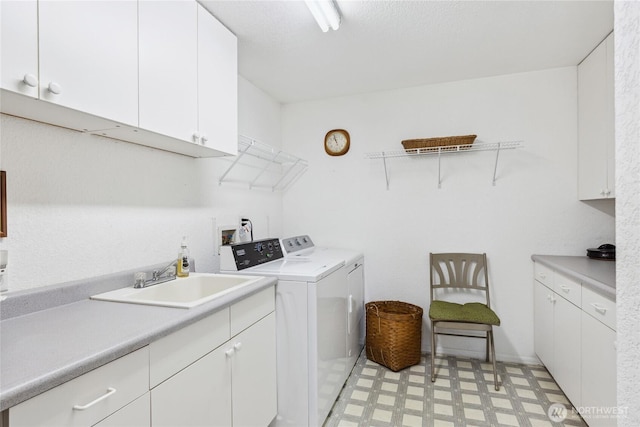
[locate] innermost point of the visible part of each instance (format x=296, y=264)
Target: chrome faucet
x=157, y=276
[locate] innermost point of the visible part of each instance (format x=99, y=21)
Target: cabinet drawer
x=567, y=288
x=248, y=311
x=599, y=307
x=89, y=398
x=543, y=274
x=175, y=352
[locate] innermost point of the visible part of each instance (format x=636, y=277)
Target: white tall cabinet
x=596, y=141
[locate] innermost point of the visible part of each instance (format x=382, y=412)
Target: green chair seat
x=473, y=312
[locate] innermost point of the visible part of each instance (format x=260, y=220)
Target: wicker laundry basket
x=394, y=333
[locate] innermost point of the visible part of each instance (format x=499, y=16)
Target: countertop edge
x=32, y=387
x=554, y=262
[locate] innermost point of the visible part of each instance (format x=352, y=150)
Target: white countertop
x=45, y=348
x=599, y=275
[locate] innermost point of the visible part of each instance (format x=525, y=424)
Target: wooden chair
x=461, y=273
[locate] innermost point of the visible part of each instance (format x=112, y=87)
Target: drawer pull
x=109, y=392
x=599, y=308
x=565, y=289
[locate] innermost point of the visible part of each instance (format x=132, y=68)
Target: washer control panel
x=297, y=243
x=255, y=253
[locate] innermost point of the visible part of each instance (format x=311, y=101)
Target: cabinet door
x=199, y=395
x=217, y=84
x=19, y=65
x=598, y=370
x=543, y=324
x=168, y=68
x=137, y=413
x=566, y=346
x=89, y=57
x=609, y=117
x=254, y=374
x=595, y=124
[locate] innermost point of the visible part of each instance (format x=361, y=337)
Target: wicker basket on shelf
x=394, y=333
x=432, y=144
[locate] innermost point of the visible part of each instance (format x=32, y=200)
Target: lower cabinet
x=232, y=383
x=218, y=371
x=557, y=338
x=574, y=337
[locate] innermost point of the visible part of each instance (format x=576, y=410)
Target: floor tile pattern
x=463, y=395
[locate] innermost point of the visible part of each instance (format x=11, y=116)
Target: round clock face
x=336, y=142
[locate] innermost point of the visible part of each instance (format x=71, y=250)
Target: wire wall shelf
x=441, y=151
x=260, y=165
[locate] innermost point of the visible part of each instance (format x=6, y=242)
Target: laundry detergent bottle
x=183, y=259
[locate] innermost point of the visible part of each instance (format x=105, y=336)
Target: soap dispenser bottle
x=183, y=259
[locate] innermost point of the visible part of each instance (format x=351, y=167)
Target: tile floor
x=463, y=395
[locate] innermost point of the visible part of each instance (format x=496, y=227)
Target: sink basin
x=185, y=292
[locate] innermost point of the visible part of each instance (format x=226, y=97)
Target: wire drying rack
x=262, y=166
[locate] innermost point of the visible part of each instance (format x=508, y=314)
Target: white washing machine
x=302, y=247
x=311, y=302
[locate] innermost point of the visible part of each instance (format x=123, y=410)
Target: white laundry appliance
x=302, y=247
x=312, y=332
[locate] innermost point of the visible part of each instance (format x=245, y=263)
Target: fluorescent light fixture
x=325, y=13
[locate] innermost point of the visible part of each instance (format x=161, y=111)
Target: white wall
x=627, y=84
x=82, y=206
x=532, y=209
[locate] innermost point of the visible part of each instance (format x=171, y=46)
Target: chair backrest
x=460, y=271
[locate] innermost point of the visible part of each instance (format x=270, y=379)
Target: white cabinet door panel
x=543, y=324
x=566, y=333
x=19, y=48
x=168, y=68
x=88, y=53
x=254, y=374
x=196, y=396
x=217, y=84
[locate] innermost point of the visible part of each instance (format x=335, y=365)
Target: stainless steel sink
x=186, y=292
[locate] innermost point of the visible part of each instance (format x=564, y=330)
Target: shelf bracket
x=266, y=166
x=386, y=172
x=235, y=161
x=439, y=174
x=284, y=175
x=495, y=166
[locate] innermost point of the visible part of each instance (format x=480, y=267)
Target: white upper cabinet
x=596, y=142
x=19, y=65
x=157, y=73
x=89, y=57
x=169, y=68
x=217, y=84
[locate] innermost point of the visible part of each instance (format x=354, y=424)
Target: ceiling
x=385, y=44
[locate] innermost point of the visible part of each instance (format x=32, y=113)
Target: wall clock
x=336, y=142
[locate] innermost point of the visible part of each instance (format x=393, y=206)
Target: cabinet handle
x=551, y=298
x=599, y=308
x=203, y=140
x=109, y=392
x=237, y=346
x=607, y=192
x=565, y=289
x=55, y=88
x=542, y=275
x=196, y=137
x=229, y=353
x=30, y=80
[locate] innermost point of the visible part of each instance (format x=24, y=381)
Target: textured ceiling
x=385, y=45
